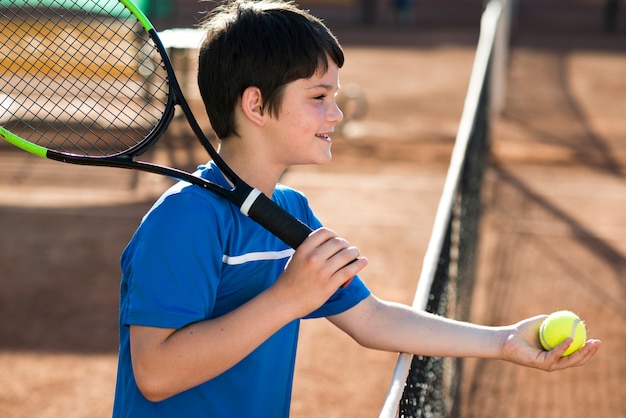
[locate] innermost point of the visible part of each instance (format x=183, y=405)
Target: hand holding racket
x=90, y=82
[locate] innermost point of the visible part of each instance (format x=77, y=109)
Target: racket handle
x=278, y=221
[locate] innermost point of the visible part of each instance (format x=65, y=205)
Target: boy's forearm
x=168, y=363
x=431, y=335
x=399, y=328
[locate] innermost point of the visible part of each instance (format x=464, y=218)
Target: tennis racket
x=90, y=82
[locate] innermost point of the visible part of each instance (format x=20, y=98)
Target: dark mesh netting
x=431, y=387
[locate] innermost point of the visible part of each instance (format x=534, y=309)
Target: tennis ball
x=560, y=325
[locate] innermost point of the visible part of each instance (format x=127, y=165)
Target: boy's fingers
x=562, y=348
x=320, y=236
x=577, y=358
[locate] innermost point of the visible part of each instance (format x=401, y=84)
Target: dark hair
x=266, y=44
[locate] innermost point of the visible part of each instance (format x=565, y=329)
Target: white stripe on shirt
x=257, y=256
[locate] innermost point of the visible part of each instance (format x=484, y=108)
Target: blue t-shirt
x=196, y=257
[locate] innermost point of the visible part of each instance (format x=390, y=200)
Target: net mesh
x=432, y=385
x=429, y=386
x=78, y=77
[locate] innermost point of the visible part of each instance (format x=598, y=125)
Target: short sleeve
x=342, y=300
x=169, y=270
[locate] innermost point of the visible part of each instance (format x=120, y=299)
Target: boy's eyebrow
x=324, y=86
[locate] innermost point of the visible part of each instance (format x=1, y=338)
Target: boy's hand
x=521, y=346
x=320, y=265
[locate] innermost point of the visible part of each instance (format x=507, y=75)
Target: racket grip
x=280, y=223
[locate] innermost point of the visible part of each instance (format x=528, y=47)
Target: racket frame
x=250, y=201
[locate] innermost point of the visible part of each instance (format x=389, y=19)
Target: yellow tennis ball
x=560, y=325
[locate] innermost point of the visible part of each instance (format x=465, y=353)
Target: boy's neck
x=250, y=166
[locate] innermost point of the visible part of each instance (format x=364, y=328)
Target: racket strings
x=80, y=77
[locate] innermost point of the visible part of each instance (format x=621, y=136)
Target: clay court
x=552, y=235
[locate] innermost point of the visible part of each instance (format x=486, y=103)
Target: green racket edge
x=42, y=151
x=10, y=137
x=138, y=13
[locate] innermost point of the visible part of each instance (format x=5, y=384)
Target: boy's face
x=307, y=118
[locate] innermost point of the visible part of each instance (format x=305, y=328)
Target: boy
x=210, y=301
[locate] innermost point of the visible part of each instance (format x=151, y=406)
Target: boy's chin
x=328, y=158
x=319, y=161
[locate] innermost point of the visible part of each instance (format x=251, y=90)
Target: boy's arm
x=394, y=327
x=168, y=361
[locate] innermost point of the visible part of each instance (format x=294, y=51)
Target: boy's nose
x=335, y=114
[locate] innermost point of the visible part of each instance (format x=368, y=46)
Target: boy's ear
x=252, y=105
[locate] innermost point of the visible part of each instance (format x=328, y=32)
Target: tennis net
x=429, y=386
